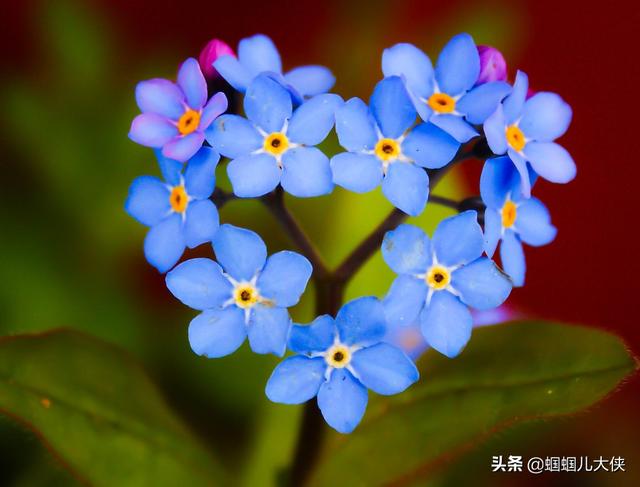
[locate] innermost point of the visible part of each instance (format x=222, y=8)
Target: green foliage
x=98, y=412
x=508, y=373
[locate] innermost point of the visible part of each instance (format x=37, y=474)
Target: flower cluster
x=419, y=121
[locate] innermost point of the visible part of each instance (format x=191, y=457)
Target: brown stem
x=274, y=202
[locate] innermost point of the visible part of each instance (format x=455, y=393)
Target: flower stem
x=274, y=202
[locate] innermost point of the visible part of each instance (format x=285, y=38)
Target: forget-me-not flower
x=275, y=144
x=257, y=55
x=526, y=128
x=446, y=97
x=382, y=149
x=440, y=279
x=175, y=116
x=243, y=294
x=178, y=210
x=511, y=218
x=338, y=360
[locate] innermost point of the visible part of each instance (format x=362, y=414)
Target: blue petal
x=234, y=136
x=455, y=126
x=411, y=64
x=316, y=337
x=523, y=170
x=458, y=239
x=495, y=131
x=514, y=103
x=406, y=186
x=233, y=72
x=148, y=200
x=193, y=84
x=407, y=250
x=240, y=252
x=492, y=230
x=215, y=333
x=482, y=101
x=499, y=178
x=199, y=283
x=200, y=173
x=201, y=223
x=253, y=175
x=361, y=321
x=310, y=80
x=356, y=172
x=269, y=330
x=384, y=369
x=284, y=278
x=152, y=130
x=392, y=108
x=170, y=168
x=481, y=284
x=306, y=172
x=533, y=223
x=258, y=54
x=405, y=300
x=551, y=161
x=355, y=126
x=512, y=256
x=446, y=324
x=343, y=401
x=183, y=148
x=215, y=107
x=314, y=119
x=545, y=117
x=430, y=146
x=160, y=96
x=267, y=104
x=296, y=380
x=458, y=65
x=164, y=243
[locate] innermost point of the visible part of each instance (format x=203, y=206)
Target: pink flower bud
x=493, y=67
x=212, y=51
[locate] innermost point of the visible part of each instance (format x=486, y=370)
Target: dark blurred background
x=70, y=256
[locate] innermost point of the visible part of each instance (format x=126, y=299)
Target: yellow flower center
x=245, y=295
x=509, y=212
x=438, y=277
x=178, y=199
x=188, y=122
x=441, y=103
x=387, y=149
x=515, y=138
x=338, y=356
x=276, y=143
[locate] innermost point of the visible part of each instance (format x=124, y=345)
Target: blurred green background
x=71, y=257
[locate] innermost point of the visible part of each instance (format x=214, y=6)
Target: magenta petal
x=182, y=148
x=217, y=106
x=192, y=82
x=214, y=49
x=160, y=96
x=152, y=130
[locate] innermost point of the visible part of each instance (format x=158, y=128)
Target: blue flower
x=511, y=218
x=178, y=210
x=338, y=361
x=257, y=55
x=447, y=97
x=175, y=116
x=438, y=280
x=525, y=129
x=244, y=293
x=273, y=146
x=382, y=149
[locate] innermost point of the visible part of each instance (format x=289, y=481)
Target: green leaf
x=98, y=412
x=508, y=373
